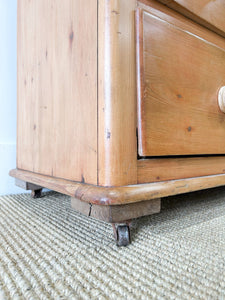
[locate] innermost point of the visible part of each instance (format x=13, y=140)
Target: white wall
x=8, y=19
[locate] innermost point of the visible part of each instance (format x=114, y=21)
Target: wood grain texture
x=117, y=213
x=206, y=12
x=124, y=194
x=171, y=16
x=162, y=169
x=117, y=94
x=57, y=88
x=178, y=107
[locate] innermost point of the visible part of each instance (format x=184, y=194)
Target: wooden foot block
x=27, y=185
x=117, y=213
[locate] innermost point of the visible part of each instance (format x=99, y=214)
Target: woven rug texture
x=50, y=251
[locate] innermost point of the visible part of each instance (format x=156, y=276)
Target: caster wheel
x=123, y=235
x=36, y=193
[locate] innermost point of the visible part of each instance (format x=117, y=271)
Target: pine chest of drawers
x=120, y=102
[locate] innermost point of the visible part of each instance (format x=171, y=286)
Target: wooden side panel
x=206, y=12
x=181, y=75
x=57, y=88
x=163, y=169
x=117, y=156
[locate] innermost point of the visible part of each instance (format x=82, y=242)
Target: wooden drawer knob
x=221, y=99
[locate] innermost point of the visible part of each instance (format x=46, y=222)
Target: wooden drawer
x=209, y=13
x=181, y=68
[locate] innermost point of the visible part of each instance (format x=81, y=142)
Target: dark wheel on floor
x=36, y=193
x=123, y=235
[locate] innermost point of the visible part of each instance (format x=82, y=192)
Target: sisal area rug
x=49, y=251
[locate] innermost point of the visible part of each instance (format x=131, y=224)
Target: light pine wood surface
x=171, y=16
x=123, y=194
x=78, y=91
x=209, y=13
x=162, y=169
x=57, y=88
x=117, y=157
x=181, y=74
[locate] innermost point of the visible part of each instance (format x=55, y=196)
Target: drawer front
x=209, y=13
x=179, y=76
